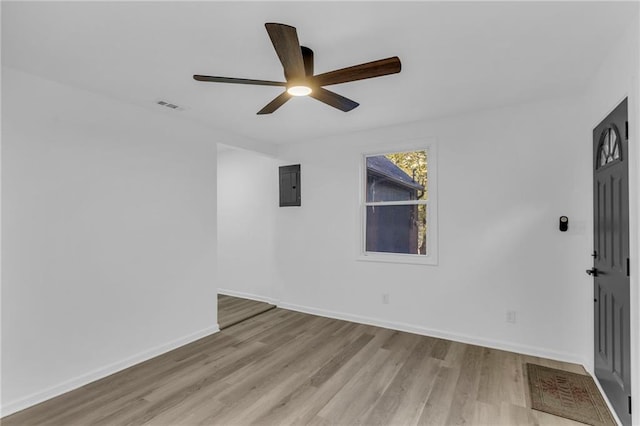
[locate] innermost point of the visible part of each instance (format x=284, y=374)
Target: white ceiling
x=456, y=57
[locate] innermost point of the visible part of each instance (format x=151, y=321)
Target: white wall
x=505, y=176
x=617, y=79
x=109, y=236
x=247, y=207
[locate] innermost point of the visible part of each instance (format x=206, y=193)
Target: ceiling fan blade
x=360, y=72
x=285, y=41
x=238, y=80
x=275, y=104
x=333, y=99
x=307, y=57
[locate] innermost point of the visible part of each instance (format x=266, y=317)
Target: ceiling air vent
x=170, y=105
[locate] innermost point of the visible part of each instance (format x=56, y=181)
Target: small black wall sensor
x=564, y=223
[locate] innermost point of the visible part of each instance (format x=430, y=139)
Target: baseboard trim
x=410, y=328
x=102, y=372
x=251, y=296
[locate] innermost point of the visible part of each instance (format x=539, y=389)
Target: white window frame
x=431, y=258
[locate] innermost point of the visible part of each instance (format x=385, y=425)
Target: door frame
x=634, y=246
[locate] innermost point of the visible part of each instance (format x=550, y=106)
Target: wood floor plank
x=232, y=310
x=303, y=402
x=419, y=388
x=261, y=398
x=335, y=363
x=454, y=355
x=438, y=404
x=440, y=349
x=501, y=378
x=461, y=411
x=388, y=403
x=284, y=367
x=256, y=378
x=362, y=391
x=486, y=414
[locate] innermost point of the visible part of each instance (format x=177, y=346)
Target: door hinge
x=626, y=130
x=629, y=404
x=628, y=268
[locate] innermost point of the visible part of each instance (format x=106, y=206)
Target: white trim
x=102, y=372
x=424, y=331
x=604, y=395
x=431, y=258
x=251, y=296
x=396, y=203
x=411, y=259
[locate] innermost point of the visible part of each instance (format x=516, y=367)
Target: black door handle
x=592, y=271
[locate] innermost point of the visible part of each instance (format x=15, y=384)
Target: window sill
x=397, y=258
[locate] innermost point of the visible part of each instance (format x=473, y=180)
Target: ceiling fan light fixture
x=299, y=90
x=300, y=80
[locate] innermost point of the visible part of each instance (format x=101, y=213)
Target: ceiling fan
x=297, y=62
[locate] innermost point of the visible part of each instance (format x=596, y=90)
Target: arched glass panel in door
x=609, y=150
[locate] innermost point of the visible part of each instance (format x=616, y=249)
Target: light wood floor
x=232, y=310
x=284, y=367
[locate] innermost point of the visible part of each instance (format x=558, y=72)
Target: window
x=399, y=223
x=609, y=149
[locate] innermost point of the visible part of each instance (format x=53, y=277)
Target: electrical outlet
x=511, y=317
x=385, y=298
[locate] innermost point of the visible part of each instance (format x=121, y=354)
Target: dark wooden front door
x=611, y=260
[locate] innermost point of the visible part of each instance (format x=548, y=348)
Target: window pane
x=397, y=229
x=399, y=176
